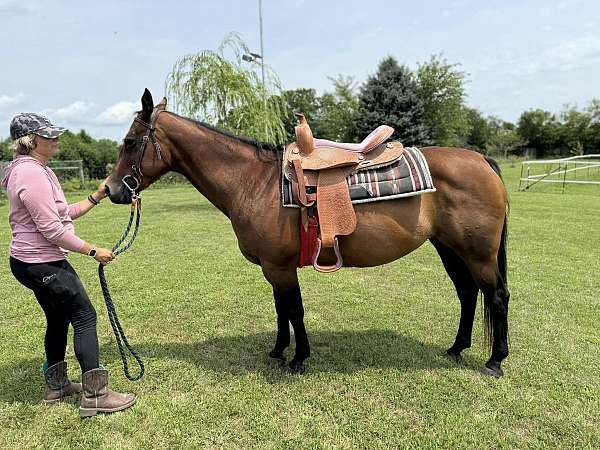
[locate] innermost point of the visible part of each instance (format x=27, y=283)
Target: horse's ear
x=147, y=102
x=163, y=104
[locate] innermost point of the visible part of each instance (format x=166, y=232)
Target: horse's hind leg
x=467, y=291
x=495, y=298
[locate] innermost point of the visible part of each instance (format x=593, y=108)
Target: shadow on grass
x=179, y=207
x=343, y=352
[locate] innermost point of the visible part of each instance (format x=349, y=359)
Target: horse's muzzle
x=119, y=195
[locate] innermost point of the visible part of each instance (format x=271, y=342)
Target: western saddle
x=317, y=170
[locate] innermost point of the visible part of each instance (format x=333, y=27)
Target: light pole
x=253, y=57
x=262, y=50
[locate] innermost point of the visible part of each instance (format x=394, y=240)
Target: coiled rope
x=122, y=342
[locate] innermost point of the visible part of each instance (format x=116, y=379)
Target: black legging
x=61, y=295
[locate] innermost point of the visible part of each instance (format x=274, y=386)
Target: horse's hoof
x=492, y=371
x=277, y=357
x=297, y=367
x=455, y=357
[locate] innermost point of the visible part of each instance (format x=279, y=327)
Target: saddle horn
x=304, y=136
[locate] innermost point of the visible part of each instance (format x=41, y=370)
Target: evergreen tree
x=391, y=97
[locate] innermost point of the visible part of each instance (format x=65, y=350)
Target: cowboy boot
x=58, y=385
x=97, y=397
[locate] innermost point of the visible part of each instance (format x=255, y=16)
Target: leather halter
x=149, y=136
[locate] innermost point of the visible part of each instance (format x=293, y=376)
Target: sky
x=85, y=64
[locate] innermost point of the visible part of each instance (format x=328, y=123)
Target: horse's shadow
x=192, y=207
x=342, y=352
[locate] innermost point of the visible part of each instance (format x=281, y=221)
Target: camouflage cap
x=28, y=123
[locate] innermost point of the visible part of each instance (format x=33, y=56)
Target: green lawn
x=203, y=319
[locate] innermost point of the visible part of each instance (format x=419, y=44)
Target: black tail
x=502, y=266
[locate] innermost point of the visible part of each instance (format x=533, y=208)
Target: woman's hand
x=101, y=192
x=104, y=256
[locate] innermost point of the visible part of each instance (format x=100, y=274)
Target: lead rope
x=136, y=208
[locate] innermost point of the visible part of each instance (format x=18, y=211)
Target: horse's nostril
x=107, y=190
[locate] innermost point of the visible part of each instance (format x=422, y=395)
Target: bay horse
x=465, y=219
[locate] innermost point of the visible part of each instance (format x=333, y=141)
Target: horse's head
x=141, y=158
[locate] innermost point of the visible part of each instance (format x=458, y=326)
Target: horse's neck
x=226, y=171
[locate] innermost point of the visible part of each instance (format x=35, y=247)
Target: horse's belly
x=385, y=231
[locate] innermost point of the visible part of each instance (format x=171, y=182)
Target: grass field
x=203, y=318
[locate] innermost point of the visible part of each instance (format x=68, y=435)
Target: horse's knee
x=496, y=304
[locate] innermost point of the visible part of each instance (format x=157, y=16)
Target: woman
x=42, y=236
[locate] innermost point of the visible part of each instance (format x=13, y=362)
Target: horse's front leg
x=283, y=326
x=289, y=308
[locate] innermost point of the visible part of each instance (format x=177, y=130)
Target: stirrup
x=328, y=269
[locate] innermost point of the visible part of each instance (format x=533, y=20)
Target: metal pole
x=262, y=63
x=262, y=49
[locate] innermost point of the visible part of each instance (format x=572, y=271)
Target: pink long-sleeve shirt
x=40, y=217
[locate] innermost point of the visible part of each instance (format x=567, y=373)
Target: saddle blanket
x=406, y=177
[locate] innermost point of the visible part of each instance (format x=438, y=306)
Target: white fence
x=3, y=165
x=73, y=166
x=583, y=169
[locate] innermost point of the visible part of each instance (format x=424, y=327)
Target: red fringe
x=308, y=241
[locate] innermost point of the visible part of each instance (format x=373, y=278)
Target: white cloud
x=118, y=114
x=12, y=9
x=8, y=100
x=491, y=14
x=567, y=4
x=567, y=56
x=573, y=54
x=552, y=9
x=74, y=113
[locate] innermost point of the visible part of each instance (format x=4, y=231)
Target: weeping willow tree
x=228, y=92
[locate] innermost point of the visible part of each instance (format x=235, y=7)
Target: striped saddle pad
x=407, y=176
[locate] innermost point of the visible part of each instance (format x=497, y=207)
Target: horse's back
x=466, y=209
x=463, y=169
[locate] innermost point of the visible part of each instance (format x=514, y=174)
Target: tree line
x=96, y=154
x=426, y=106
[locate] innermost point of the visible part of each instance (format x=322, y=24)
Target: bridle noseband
x=136, y=168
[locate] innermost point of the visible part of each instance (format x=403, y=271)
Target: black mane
x=259, y=145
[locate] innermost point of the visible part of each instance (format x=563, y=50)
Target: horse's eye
x=128, y=142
